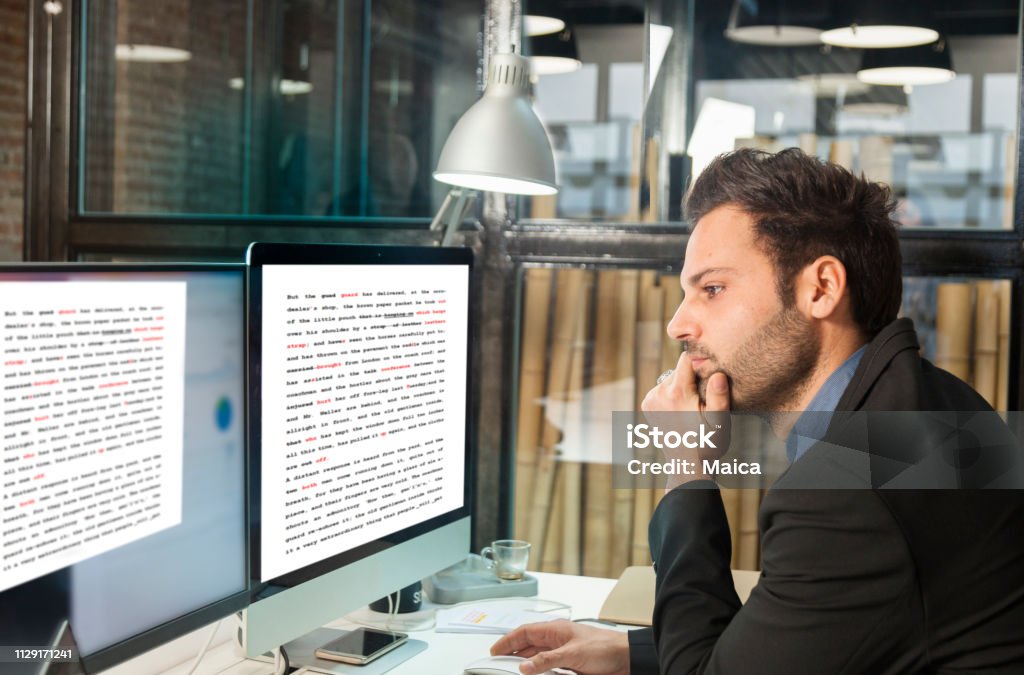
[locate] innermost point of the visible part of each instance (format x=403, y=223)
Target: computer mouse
x=497, y=665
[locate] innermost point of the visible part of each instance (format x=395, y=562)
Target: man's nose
x=683, y=326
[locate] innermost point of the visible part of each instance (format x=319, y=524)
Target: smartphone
x=361, y=645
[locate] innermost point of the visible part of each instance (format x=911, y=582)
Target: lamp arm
x=452, y=212
x=438, y=220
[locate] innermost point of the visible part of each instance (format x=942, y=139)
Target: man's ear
x=821, y=287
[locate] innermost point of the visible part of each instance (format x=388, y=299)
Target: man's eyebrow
x=695, y=278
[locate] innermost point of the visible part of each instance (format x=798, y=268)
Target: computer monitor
x=123, y=476
x=359, y=435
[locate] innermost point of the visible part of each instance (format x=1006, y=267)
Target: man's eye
x=712, y=291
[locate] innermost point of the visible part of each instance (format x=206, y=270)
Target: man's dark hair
x=804, y=208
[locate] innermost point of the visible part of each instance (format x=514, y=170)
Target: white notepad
x=486, y=618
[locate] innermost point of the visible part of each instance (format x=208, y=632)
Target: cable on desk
x=393, y=606
x=202, y=652
x=281, y=664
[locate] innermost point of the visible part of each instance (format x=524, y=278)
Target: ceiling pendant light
x=534, y=24
x=876, y=37
x=775, y=23
x=139, y=53
x=554, y=54
x=831, y=85
x=922, y=65
x=830, y=73
x=878, y=102
x=286, y=86
x=877, y=24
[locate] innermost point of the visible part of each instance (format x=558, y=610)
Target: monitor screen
x=124, y=458
x=359, y=420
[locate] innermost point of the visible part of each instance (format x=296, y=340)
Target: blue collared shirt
x=809, y=429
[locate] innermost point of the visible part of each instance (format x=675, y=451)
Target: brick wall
x=168, y=137
x=165, y=137
x=12, y=126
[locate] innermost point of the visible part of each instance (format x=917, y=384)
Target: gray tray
x=471, y=580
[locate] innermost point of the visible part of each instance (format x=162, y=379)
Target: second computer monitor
x=122, y=504
x=360, y=466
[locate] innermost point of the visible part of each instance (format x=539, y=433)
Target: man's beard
x=770, y=371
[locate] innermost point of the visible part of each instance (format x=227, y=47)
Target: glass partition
x=650, y=104
x=161, y=104
x=290, y=107
x=592, y=111
x=594, y=341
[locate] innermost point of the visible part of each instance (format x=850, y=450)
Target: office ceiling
x=955, y=17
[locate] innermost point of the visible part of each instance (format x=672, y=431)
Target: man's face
x=732, y=318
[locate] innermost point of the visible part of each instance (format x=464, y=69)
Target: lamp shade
x=926, y=64
x=879, y=24
x=151, y=53
x=779, y=23
x=536, y=24
x=830, y=85
x=555, y=53
x=143, y=38
x=831, y=73
x=499, y=144
x=878, y=102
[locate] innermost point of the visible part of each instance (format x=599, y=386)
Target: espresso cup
x=508, y=558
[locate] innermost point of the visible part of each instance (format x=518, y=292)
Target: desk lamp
x=498, y=145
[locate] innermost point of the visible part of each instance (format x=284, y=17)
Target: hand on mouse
x=587, y=650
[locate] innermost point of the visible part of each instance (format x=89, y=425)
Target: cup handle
x=488, y=555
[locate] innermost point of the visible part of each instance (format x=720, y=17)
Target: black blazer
x=861, y=580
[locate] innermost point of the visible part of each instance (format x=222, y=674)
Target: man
x=792, y=282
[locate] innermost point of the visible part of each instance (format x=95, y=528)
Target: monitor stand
x=64, y=639
x=300, y=653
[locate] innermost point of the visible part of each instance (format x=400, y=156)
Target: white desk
x=446, y=654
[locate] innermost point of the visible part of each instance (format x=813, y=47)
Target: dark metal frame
x=48, y=133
